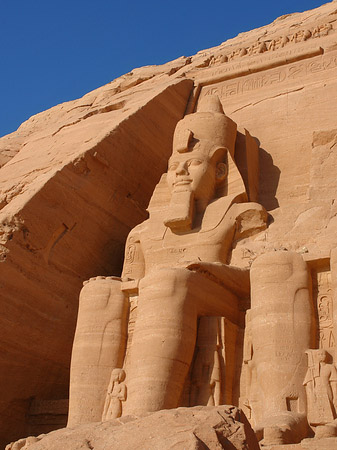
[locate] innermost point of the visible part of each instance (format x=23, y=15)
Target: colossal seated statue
x=175, y=269
x=167, y=332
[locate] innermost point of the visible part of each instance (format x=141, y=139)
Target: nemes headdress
x=210, y=124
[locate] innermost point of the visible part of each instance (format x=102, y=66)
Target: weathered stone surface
x=49, y=242
x=75, y=179
x=199, y=428
x=114, y=96
x=308, y=444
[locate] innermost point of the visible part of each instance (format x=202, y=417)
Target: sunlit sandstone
x=218, y=303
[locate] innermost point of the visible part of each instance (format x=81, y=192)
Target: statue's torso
x=210, y=242
x=152, y=245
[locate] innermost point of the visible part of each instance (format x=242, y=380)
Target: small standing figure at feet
x=115, y=396
x=321, y=387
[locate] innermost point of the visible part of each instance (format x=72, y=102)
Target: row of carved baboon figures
x=273, y=44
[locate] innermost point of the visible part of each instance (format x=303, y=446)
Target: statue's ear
x=221, y=172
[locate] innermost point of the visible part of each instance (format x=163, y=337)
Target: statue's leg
x=169, y=303
x=282, y=322
x=163, y=342
x=99, y=347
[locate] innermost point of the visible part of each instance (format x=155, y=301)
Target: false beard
x=181, y=211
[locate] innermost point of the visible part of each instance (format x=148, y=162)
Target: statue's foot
x=326, y=431
x=284, y=428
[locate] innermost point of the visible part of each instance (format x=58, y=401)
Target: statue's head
x=198, y=165
x=316, y=356
x=321, y=355
x=117, y=375
x=199, y=159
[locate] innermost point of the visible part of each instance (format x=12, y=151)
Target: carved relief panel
x=322, y=294
x=212, y=376
x=321, y=377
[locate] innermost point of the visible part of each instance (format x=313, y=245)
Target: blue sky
x=55, y=51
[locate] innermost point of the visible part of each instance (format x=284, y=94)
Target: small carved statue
x=237, y=53
x=277, y=43
x=321, y=387
x=321, y=30
x=207, y=372
x=116, y=394
x=256, y=48
x=300, y=36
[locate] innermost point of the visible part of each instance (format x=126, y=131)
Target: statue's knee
x=276, y=267
x=100, y=292
x=167, y=283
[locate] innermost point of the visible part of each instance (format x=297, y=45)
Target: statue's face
x=321, y=355
x=192, y=171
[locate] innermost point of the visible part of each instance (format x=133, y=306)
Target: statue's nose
x=181, y=169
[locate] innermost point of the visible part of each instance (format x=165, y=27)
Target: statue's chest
x=163, y=247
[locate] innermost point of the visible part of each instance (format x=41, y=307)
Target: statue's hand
x=195, y=265
x=235, y=278
x=129, y=286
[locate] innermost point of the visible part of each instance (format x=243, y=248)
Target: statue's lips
x=182, y=182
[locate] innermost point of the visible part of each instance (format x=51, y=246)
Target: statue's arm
x=245, y=219
x=122, y=393
x=234, y=278
x=333, y=384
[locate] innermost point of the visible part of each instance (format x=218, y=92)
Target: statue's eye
x=173, y=166
x=194, y=162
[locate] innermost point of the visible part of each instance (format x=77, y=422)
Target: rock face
x=44, y=262
x=198, y=428
x=77, y=178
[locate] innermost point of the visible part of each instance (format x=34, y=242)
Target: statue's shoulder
x=233, y=211
x=136, y=232
x=216, y=212
x=249, y=218
x=247, y=208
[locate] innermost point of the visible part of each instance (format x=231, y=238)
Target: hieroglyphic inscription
x=325, y=313
x=323, y=295
x=253, y=82
x=130, y=253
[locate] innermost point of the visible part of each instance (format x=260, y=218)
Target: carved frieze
x=261, y=46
